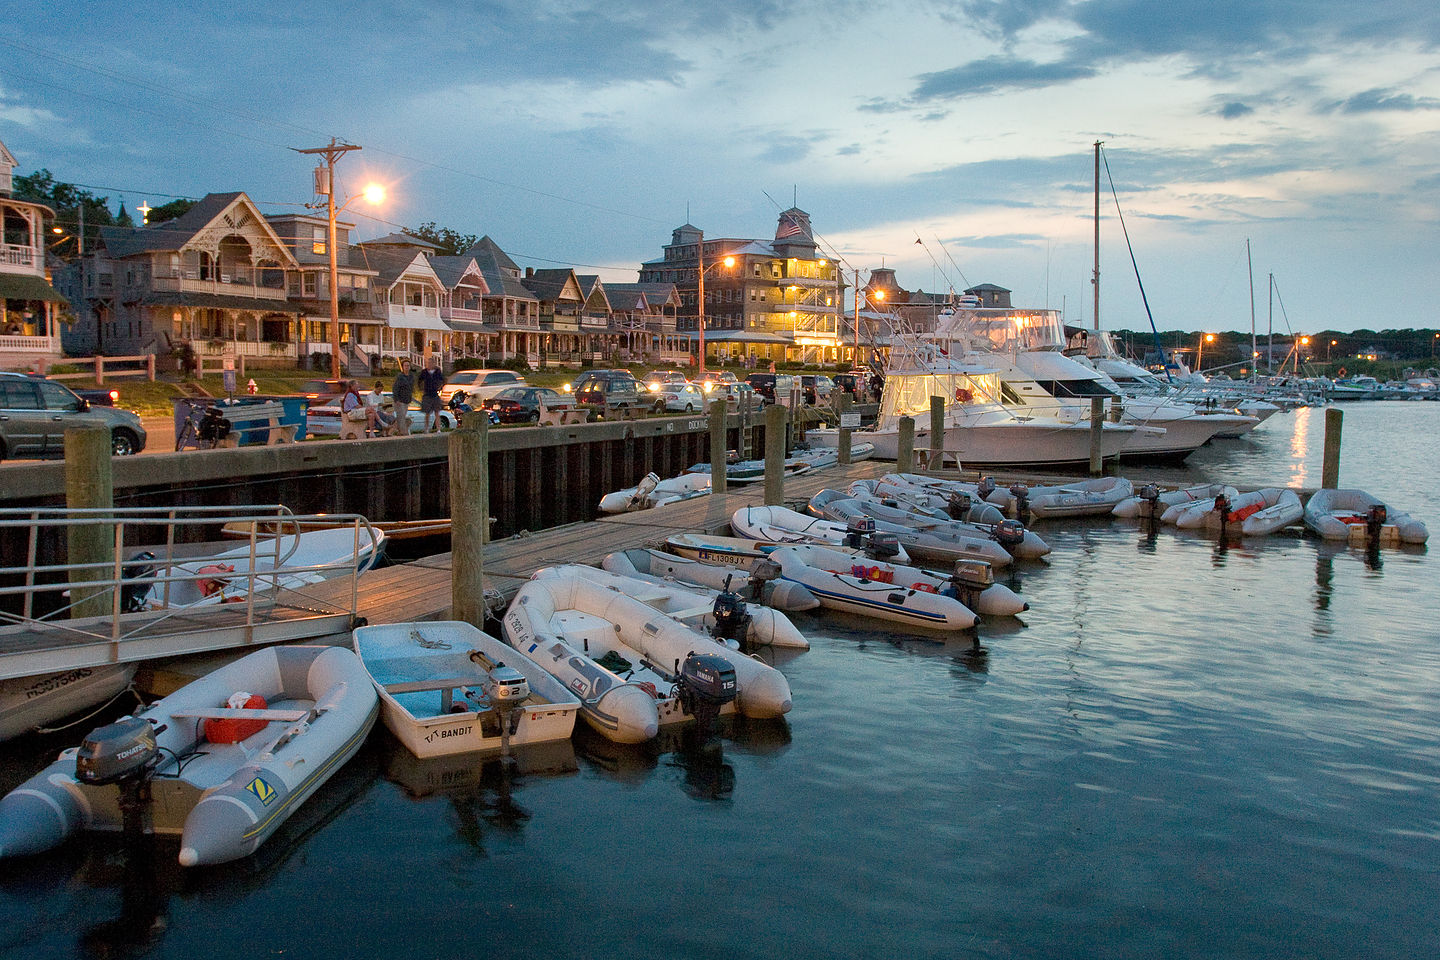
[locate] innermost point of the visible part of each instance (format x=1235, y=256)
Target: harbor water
x=1186, y=748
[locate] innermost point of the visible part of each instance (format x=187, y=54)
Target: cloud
x=785, y=150
x=1234, y=110
x=994, y=74
x=1380, y=99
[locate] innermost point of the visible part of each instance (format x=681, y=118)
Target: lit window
x=317, y=243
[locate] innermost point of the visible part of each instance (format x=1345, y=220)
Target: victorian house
x=774, y=299
x=309, y=289
x=561, y=303
x=508, y=307
x=212, y=280
x=408, y=293
x=461, y=305
x=645, y=315
x=30, y=308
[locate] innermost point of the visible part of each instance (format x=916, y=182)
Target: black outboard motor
x=882, y=546
x=1008, y=533
x=763, y=571
x=132, y=595
x=213, y=426
x=705, y=686
x=1150, y=493
x=1374, y=522
x=985, y=487
x=856, y=530
x=732, y=620
x=958, y=506
x=1021, y=493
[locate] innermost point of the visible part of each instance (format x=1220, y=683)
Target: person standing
x=431, y=380
x=403, y=390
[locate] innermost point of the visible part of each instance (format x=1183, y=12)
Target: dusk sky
x=579, y=133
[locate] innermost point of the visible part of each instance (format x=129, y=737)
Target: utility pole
x=331, y=153
x=856, y=364
x=700, y=298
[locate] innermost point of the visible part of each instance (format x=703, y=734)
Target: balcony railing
x=236, y=285
x=463, y=313
x=23, y=344
x=14, y=255
x=405, y=311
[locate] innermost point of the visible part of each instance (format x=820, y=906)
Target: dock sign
x=849, y=420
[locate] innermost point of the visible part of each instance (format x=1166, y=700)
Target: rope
x=129, y=688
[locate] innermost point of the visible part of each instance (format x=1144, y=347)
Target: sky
x=581, y=133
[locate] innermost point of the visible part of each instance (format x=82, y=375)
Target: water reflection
x=1300, y=447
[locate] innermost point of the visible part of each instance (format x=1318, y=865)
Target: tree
x=66, y=200
x=169, y=211
x=451, y=243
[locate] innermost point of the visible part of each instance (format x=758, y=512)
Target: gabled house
x=461, y=305
x=29, y=305
x=595, y=316
x=560, y=304
x=309, y=287
x=645, y=313
x=407, y=298
x=213, y=278
x=509, y=306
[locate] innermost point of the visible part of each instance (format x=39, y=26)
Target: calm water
x=1187, y=750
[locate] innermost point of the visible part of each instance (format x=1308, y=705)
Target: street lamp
x=700, y=292
x=1327, y=349
x=1433, y=340
x=325, y=183
x=1200, y=353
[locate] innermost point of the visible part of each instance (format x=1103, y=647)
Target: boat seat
x=238, y=713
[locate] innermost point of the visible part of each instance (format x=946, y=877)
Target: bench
x=561, y=416
x=251, y=418
x=446, y=686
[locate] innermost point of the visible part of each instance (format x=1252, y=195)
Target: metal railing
x=261, y=566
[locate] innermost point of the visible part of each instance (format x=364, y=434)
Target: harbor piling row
x=470, y=519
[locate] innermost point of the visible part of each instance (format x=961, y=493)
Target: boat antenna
x=1143, y=299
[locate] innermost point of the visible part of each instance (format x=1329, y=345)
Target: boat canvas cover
x=908, y=394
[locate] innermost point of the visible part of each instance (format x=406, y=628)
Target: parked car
x=816, y=387
x=321, y=392
x=522, y=404
x=480, y=384
x=615, y=388
x=772, y=387
x=680, y=397
x=657, y=380
x=324, y=420
x=34, y=414
x=732, y=394
x=853, y=384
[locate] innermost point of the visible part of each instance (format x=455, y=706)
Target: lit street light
x=1327, y=350
x=1200, y=354
x=727, y=262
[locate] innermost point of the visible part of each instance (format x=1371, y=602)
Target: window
x=309, y=284
x=318, y=237
x=18, y=394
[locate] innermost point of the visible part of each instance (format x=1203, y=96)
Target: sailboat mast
x=1095, y=276
x=1270, y=349
x=1254, y=351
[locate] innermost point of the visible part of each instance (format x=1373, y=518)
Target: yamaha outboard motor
x=958, y=506
x=705, y=686
x=732, y=620
x=856, y=530
x=1021, y=493
x=132, y=595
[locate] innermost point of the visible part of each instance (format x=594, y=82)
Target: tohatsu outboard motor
x=124, y=753
x=958, y=505
x=1150, y=494
x=763, y=571
x=1008, y=533
x=705, y=686
x=985, y=487
x=732, y=619
x=1375, y=519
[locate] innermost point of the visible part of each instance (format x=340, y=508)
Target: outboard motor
x=706, y=684
x=1150, y=493
x=732, y=620
x=985, y=487
x=882, y=546
x=1008, y=533
x=132, y=595
x=507, y=690
x=644, y=488
x=762, y=571
x=1021, y=493
x=970, y=579
x=856, y=530
x=124, y=753
x=958, y=506
x=1375, y=522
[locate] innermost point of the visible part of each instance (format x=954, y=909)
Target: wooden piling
x=905, y=451
x=775, y=417
x=89, y=484
x=937, y=432
x=1097, y=434
x=469, y=450
x=1330, y=469
x=844, y=434
x=718, y=421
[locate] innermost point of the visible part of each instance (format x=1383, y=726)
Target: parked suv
x=615, y=388
x=34, y=414
x=772, y=387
